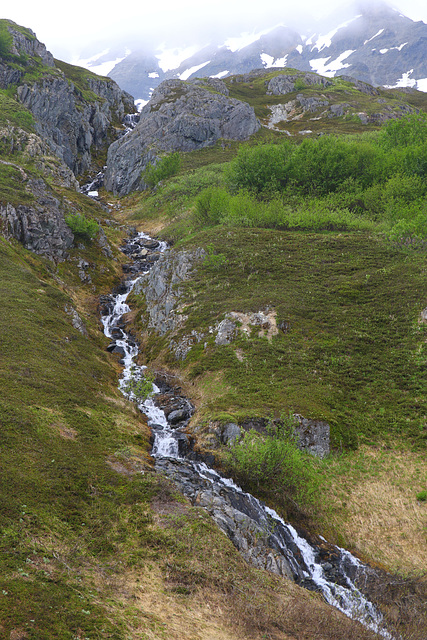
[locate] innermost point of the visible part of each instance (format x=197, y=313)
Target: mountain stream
x=259, y=533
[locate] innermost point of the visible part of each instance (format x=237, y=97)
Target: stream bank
x=258, y=532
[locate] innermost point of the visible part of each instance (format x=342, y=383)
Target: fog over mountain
x=90, y=28
x=373, y=42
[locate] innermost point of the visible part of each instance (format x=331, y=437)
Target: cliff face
x=74, y=127
x=40, y=227
x=77, y=112
x=180, y=117
x=75, y=116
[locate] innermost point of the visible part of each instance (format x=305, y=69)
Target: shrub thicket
x=272, y=465
x=347, y=183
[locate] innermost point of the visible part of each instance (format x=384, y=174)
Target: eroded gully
x=258, y=532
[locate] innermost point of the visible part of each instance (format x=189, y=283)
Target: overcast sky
x=66, y=28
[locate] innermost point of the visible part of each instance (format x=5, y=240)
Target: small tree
x=82, y=226
x=138, y=387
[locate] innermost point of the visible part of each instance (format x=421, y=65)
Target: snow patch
x=329, y=69
x=244, y=40
x=220, y=75
x=399, y=48
x=404, y=81
x=172, y=58
x=422, y=84
x=189, y=72
x=375, y=36
x=153, y=74
x=326, y=40
x=299, y=48
x=269, y=62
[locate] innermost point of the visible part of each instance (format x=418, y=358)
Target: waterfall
x=297, y=557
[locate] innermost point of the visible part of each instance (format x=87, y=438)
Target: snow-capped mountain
x=373, y=43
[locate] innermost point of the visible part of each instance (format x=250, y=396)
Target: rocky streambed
x=258, y=532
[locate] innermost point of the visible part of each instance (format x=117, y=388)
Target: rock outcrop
x=75, y=111
x=161, y=288
x=234, y=513
x=39, y=226
x=74, y=127
x=181, y=116
x=286, y=83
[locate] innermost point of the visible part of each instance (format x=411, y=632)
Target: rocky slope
x=75, y=111
x=180, y=117
x=57, y=125
x=186, y=116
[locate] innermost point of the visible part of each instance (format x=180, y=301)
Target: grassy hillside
x=94, y=543
x=341, y=266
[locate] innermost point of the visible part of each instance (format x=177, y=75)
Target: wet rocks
x=176, y=407
x=232, y=512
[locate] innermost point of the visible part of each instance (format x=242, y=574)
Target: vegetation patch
x=11, y=112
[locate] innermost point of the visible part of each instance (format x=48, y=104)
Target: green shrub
x=211, y=206
x=260, y=168
x=299, y=85
x=5, y=41
x=137, y=387
x=422, y=496
x=404, y=132
x=164, y=168
x=321, y=166
x=82, y=226
x=272, y=463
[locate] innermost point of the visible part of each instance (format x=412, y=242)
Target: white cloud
x=68, y=28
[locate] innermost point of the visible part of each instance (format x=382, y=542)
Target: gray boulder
x=313, y=436
x=181, y=116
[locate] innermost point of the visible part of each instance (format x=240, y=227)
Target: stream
x=259, y=533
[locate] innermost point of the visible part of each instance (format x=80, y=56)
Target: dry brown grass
x=373, y=494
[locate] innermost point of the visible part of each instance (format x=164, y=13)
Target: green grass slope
x=335, y=251
x=93, y=543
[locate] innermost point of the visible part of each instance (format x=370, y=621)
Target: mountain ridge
x=375, y=44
